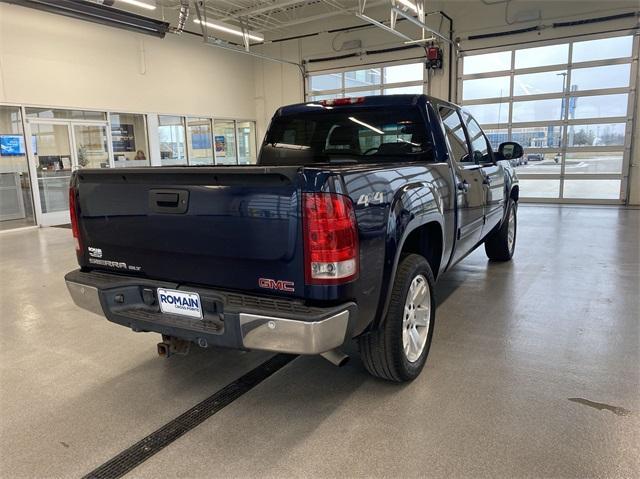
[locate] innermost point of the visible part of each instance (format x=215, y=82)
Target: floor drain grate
x=135, y=455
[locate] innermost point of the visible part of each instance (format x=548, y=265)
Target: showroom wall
x=280, y=84
x=51, y=60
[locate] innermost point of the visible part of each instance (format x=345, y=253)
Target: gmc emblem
x=280, y=285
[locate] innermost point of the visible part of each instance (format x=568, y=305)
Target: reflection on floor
x=533, y=372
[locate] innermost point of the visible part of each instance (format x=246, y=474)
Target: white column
x=154, y=139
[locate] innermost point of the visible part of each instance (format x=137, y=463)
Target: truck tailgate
x=215, y=226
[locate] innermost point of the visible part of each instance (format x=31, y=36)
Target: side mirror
x=510, y=150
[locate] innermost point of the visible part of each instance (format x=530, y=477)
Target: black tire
x=382, y=350
x=497, y=244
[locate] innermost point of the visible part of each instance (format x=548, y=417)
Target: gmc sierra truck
x=355, y=208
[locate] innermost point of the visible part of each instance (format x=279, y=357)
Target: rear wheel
x=501, y=242
x=399, y=349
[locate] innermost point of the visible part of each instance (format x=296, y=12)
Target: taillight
x=342, y=101
x=330, y=238
x=73, y=213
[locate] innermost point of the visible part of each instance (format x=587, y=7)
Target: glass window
x=332, y=81
x=405, y=90
x=16, y=207
x=361, y=93
x=479, y=144
x=129, y=140
x=65, y=114
x=488, y=62
x=604, y=49
x=246, y=142
x=359, y=78
x=598, y=106
x=326, y=97
x=539, y=83
x=592, y=189
x=496, y=87
x=538, y=136
x=347, y=134
x=596, y=78
x=402, y=73
x=172, y=144
x=604, y=162
x=92, y=149
x=540, y=162
x=200, y=141
x=497, y=136
x=542, y=56
x=455, y=134
x=491, y=113
x=602, y=134
x=225, y=142
x=537, y=110
x=539, y=188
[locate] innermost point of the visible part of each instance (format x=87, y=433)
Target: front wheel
x=398, y=350
x=501, y=242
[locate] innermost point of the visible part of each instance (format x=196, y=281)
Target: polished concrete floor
x=534, y=372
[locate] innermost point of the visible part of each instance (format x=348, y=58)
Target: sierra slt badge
x=278, y=285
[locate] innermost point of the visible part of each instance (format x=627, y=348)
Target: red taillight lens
x=73, y=213
x=330, y=238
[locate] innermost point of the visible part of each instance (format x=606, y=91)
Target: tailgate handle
x=169, y=201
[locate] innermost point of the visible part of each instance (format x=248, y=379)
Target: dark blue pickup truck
x=354, y=210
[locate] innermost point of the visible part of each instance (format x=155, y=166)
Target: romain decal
x=280, y=285
x=179, y=301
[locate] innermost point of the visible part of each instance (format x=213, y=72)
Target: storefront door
x=57, y=148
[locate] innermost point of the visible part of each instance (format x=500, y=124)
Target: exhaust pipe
x=336, y=357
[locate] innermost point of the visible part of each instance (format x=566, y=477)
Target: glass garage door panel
x=542, y=189
x=591, y=189
x=595, y=162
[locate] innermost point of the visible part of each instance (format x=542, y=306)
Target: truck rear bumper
x=229, y=319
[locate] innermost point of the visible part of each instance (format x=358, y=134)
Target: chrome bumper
x=254, y=331
x=293, y=336
x=85, y=297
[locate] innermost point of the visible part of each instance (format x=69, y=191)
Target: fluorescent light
x=141, y=4
x=408, y=4
x=366, y=125
x=223, y=27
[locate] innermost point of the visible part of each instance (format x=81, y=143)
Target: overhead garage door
x=570, y=104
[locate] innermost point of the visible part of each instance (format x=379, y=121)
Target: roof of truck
x=375, y=100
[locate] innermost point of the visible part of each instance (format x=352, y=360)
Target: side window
x=481, y=151
x=455, y=134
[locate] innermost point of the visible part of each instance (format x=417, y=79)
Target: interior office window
x=16, y=207
x=129, y=139
x=65, y=114
x=200, y=141
x=246, y=142
x=455, y=134
x=225, y=142
x=172, y=140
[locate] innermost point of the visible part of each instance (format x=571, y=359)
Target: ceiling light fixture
x=223, y=27
x=150, y=5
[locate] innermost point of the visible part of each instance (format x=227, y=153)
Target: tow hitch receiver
x=170, y=346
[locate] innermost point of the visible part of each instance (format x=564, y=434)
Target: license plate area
x=180, y=303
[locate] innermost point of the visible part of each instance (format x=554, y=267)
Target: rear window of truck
x=347, y=135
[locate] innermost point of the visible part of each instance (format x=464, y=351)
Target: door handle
x=463, y=186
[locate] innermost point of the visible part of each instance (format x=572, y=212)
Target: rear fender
x=413, y=206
